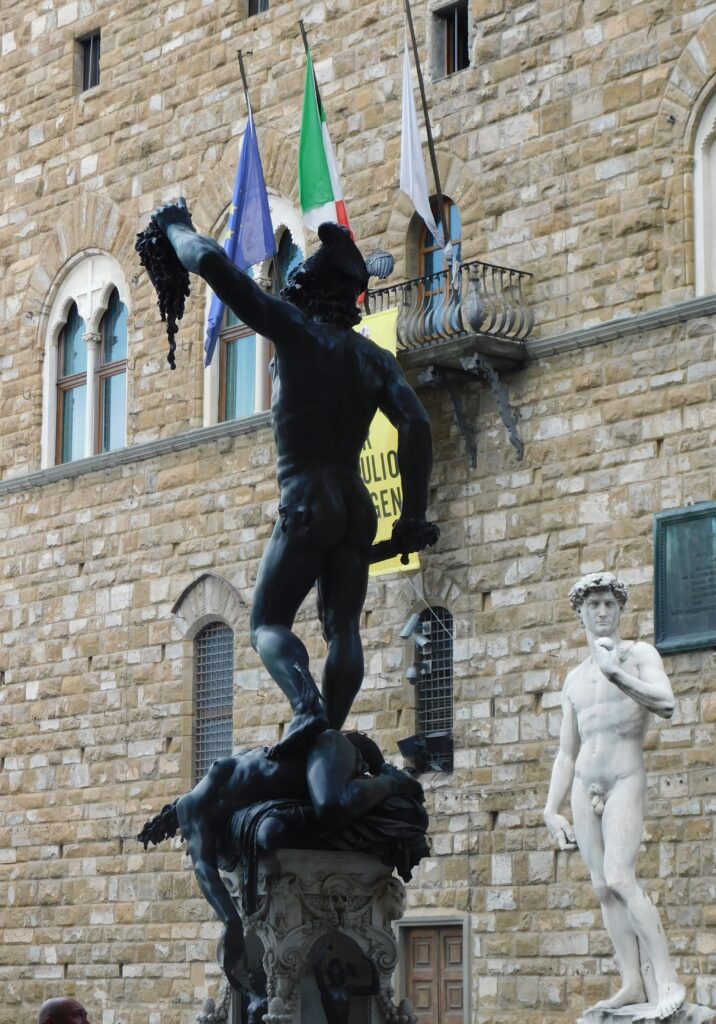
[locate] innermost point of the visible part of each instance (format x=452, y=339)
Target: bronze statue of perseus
x=328, y=383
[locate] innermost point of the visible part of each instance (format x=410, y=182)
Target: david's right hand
x=173, y=213
x=561, y=831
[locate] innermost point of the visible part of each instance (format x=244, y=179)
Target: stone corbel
x=478, y=368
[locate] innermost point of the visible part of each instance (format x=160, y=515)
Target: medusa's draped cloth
x=394, y=831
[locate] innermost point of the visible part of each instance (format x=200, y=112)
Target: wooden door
x=434, y=982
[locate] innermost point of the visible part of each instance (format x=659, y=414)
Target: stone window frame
x=87, y=281
x=88, y=54
x=705, y=200
x=284, y=217
x=426, y=918
x=207, y=599
x=439, y=38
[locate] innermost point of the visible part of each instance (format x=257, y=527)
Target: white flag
x=412, y=168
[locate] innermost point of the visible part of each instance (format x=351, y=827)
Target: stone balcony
x=483, y=312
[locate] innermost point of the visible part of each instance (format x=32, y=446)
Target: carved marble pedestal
x=313, y=900
x=689, y=1013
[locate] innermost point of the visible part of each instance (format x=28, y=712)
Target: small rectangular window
x=89, y=46
x=452, y=49
x=258, y=6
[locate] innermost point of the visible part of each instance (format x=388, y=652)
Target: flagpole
x=303, y=34
x=431, y=146
x=276, y=267
x=243, y=80
x=306, y=48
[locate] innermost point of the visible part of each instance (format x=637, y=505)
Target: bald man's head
x=62, y=1011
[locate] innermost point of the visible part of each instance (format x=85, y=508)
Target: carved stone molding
x=304, y=898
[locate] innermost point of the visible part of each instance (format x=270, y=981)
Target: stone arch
x=457, y=181
x=90, y=223
x=691, y=82
x=690, y=86
x=279, y=156
x=208, y=598
x=441, y=588
x=436, y=587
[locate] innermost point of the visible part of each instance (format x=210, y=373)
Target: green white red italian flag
x=319, y=187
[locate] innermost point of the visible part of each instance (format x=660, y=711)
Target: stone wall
x=559, y=148
x=566, y=145
x=95, y=702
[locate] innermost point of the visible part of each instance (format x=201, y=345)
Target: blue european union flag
x=249, y=235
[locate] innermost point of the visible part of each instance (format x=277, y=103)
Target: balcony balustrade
x=483, y=306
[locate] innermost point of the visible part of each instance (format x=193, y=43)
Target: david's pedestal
x=689, y=1013
x=317, y=909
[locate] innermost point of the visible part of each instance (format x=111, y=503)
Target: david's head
x=598, y=599
x=62, y=1011
x=327, y=284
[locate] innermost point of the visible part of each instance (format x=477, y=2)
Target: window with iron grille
x=213, y=695
x=258, y=6
x=434, y=661
x=89, y=46
x=451, y=51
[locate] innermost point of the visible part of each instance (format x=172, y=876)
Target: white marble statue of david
x=606, y=702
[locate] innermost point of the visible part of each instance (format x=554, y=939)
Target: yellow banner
x=379, y=458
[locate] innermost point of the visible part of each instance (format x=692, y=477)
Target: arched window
x=238, y=355
x=84, y=405
x=112, y=376
x=434, y=703
x=436, y=287
x=213, y=696
x=240, y=386
x=245, y=384
x=71, y=388
x=705, y=201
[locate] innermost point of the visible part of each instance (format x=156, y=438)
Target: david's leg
x=622, y=825
x=342, y=588
x=287, y=572
x=588, y=831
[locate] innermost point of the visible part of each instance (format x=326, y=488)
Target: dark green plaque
x=685, y=578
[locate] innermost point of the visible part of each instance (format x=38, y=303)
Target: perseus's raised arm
x=262, y=312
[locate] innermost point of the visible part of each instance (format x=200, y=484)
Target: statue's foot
x=671, y=997
x=305, y=727
x=631, y=992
